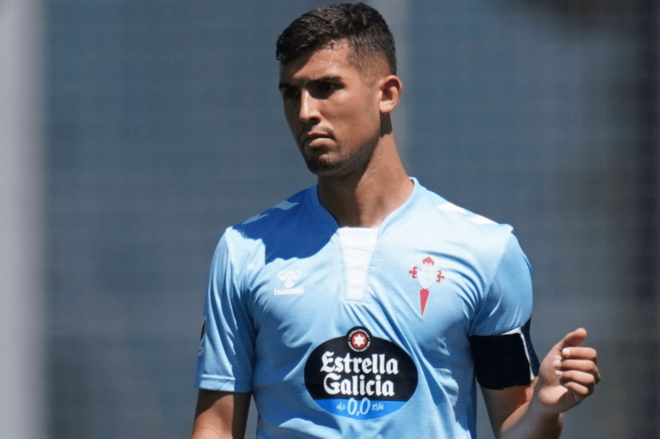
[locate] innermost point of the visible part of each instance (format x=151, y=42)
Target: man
x=365, y=305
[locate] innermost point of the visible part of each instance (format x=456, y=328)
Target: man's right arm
x=221, y=415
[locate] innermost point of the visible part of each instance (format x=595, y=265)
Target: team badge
x=360, y=376
x=427, y=276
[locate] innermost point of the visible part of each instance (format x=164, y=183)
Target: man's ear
x=390, y=92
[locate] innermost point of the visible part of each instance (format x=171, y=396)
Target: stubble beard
x=319, y=166
x=342, y=164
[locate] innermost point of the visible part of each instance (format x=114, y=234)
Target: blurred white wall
x=21, y=281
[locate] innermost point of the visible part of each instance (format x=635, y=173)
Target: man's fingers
x=585, y=373
x=580, y=353
x=575, y=338
x=572, y=367
x=579, y=392
x=582, y=382
x=586, y=366
x=572, y=339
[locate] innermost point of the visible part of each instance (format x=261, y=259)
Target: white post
x=22, y=387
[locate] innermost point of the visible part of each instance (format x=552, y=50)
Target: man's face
x=332, y=112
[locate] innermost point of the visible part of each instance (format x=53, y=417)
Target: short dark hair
x=363, y=27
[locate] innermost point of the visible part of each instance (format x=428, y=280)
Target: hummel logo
x=289, y=278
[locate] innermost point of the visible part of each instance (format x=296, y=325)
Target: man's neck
x=366, y=199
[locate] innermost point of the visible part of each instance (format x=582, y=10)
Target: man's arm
x=568, y=374
x=220, y=415
x=511, y=416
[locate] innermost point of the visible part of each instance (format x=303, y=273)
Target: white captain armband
x=506, y=360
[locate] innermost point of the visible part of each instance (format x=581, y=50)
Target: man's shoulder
x=461, y=216
x=290, y=206
x=275, y=217
x=452, y=222
x=290, y=229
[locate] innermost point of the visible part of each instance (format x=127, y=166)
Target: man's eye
x=325, y=89
x=290, y=93
x=326, y=86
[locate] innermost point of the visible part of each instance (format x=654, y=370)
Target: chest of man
x=418, y=293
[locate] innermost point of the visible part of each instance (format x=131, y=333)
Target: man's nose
x=309, y=111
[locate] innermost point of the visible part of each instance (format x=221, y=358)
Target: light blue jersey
x=346, y=333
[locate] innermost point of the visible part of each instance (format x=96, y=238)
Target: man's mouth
x=317, y=141
x=314, y=140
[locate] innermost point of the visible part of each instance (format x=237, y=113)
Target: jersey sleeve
x=501, y=345
x=507, y=303
x=226, y=352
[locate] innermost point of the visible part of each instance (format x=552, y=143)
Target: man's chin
x=339, y=167
x=322, y=167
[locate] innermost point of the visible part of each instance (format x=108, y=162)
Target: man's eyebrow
x=327, y=79
x=322, y=79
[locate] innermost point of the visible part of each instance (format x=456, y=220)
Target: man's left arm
x=567, y=375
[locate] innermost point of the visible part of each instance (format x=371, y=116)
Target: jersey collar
x=397, y=216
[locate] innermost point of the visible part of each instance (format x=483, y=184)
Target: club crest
x=427, y=275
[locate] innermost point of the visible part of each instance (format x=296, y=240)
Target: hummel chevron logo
x=289, y=278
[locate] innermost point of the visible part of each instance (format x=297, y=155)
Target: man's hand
x=568, y=374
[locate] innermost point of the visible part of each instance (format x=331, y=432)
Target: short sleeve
x=226, y=352
x=507, y=304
